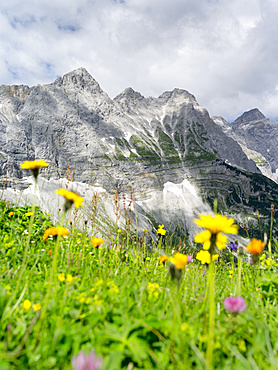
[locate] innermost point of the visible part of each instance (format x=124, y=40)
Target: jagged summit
x=251, y=115
x=79, y=78
x=129, y=94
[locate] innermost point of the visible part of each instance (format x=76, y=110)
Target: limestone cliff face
x=143, y=142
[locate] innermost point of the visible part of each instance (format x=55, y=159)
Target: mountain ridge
x=114, y=142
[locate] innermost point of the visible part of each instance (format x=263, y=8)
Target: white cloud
x=222, y=51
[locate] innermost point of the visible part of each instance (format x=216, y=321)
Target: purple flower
x=83, y=362
x=235, y=305
x=232, y=246
x=189, y=259
x=204, y=272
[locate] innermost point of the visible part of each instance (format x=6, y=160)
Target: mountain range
x=176, y=158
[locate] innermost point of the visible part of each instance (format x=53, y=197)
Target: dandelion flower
x=28, y=214
x=256, y=247
x=161, y=230
x=235, y=305
x=11, y=214
x=163, y=259
x=215, y=226
x=55, y=231
x=37, y=306
x=61, y=277
x=70, y=278
x=204, y=257
x=70, y=197
x=96, y=241
x=34, y=166
x=179, y=260
x=27, y=305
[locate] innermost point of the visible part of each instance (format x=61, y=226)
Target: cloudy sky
x=225, y=52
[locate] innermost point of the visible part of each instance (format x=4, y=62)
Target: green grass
x=123, y=303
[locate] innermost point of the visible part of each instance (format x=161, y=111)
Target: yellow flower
x=78, y=241
x=204, y=257
x=61, y=277
x=163, y=259
x=34, y=166
x=161, y=230
x=255, y=247
x=71, y=197
x=70, y=278
x=28, y=214
x=55, y=231
x=11, y=214
x=179, y=260
x=96, y=241
x=37, y=306
x=214, y=227
x=27, y=305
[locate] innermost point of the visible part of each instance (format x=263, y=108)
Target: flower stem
x=211, y=296
x=239, y=276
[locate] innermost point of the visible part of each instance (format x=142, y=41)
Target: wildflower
x=78, y=241
x=204, y=257
x=163, y=259
x=70, y=278
x=96, y=242
x=55, y=231
x=214, y=227
x=37, y=306
x=161, y=230
x=11, y=214
x=83, y=362
x=28, y=214
x=34, y=167
x=189, y=259
x=255, y=247
x=179, y=260
x=204, y=272
x=70, y=197
x=232, y=246
x=235, y=305
x=27, y=305
x=50, y=252
x=61, y=277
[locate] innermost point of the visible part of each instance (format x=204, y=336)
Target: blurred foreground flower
x=96, y=242
x=176, y=265
x=34, y=166
x=163, y=259
x=55, y=231
x=83, y=362
x=205, y=257
x=70, y=197
x=235, y=305
x=27, y=305
x=214, y=227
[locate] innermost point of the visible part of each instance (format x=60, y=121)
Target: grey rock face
x=258, y=137
x=143, y=142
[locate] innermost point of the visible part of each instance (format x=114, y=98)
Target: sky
x=225, y=52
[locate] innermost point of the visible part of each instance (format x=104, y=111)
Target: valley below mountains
x=164, y=156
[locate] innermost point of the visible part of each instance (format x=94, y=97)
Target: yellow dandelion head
x=71, y=197
x=217, y=224
x=33, y=165
x=256, y=247
x=27, y=305
x=179, y=260
x=55, y=231
x=96, y=241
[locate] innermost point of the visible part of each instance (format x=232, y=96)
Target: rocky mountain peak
x=251, y=115
x=128, y=95
x=79, y=78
